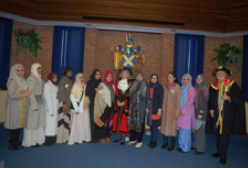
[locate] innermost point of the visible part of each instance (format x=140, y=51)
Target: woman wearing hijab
x=52, y=106
x=186, y=119
x=121, y=108
x=201, y=110
x=36, y=117
x=92, y=87
x=80, y=115
x=139, y=108
x=65, y=86
x=104, y=107
x=16, y=105
x=171, y=110
x=156, y=101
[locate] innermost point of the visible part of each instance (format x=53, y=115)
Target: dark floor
x=115, y=155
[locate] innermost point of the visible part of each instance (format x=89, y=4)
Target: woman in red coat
x=121, y=108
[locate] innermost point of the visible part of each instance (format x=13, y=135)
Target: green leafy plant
x=30, y=41
x=227, y=54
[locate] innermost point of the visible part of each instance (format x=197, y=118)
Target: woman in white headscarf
x=80, y=115
x=36, y=117
x=16, y=105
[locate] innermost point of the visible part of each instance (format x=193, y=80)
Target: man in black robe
x=226, y=111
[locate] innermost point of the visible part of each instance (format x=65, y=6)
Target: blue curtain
x=5, y=47
x=68, y=49
x=188, y=55
x=245, y=68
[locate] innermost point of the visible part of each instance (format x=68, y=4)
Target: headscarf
x=184, y=90
x=67, y=69
x=34, y=68
x=110, y=84
x=78, y=87
x=20, y=80
x=92, y=78
x=50, y=77
x=198, y=87
x=139, y=85
x=154, y=85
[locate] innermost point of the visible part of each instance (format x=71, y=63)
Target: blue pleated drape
x=244, y=85
x=5, y=47
x=68, y=49
x=189, y=55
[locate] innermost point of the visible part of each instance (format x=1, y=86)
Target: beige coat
x=36, y=116
x=16, y=106
x=170, y=110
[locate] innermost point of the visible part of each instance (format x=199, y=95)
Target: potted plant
x=227, y=54
x=30, y=41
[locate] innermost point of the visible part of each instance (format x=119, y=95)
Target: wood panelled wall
x=208, y=15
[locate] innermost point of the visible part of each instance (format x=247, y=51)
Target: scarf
x=20, y=80
x=92, y=78
x=110, y=84
x=34, y=68
x=154, y=85
x=198, y=87
x=184, y=91
x=78, y=87
x=50, y=77
x=170, y=84
x=139, y=85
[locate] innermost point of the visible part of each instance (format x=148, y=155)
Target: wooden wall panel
x=207, y=15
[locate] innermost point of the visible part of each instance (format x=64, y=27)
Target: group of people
x=76, y=112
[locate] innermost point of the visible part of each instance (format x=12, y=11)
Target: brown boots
x=107, y=139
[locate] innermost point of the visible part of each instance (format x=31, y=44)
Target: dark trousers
x=136, y=135
x=154, y=133
x=14, y=137
x=222, y=144
x=104, y=133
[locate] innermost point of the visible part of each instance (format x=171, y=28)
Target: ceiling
x=222, y=16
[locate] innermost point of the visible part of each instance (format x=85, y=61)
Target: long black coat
x=91, y=93
x=157, y=102
x=234, y=112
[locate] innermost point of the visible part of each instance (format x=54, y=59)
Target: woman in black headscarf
x=65, y=85
x=91, y=89
x=139, y=108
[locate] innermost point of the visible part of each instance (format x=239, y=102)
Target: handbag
x=39, y=97
x=78, y=103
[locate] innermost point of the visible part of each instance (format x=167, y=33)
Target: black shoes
x=165, y=144
x=117, y=140
x=171, y=146
x=152, y=144
x=193, y=148
x=180, y=150
x=198, y=153
x=15, y=146
x=35, y=146
x=215, y=155
x=222, y=160
x=122, y=142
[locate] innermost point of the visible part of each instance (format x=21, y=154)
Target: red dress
x=120, y=113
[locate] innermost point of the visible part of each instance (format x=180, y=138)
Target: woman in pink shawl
x=186, y=119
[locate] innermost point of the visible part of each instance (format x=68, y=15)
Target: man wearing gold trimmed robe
x=226, y=111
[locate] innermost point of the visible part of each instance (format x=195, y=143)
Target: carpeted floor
x=115, y=155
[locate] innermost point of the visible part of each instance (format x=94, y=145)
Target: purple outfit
x=184, y=120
